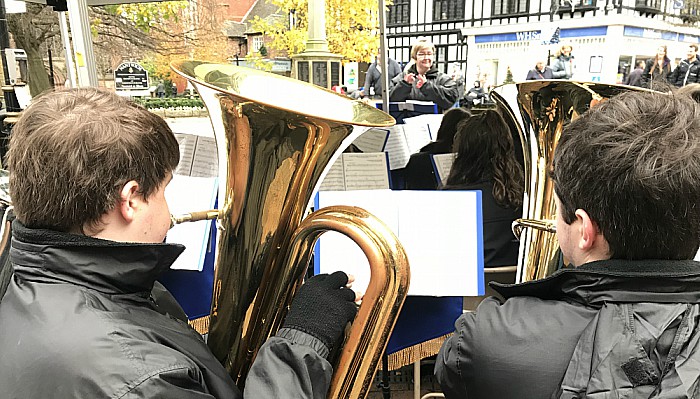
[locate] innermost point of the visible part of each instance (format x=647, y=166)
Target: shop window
x=446, y=10
x=399, y=13
x=510, y=7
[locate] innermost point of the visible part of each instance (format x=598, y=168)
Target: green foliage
x=263, y=51
x=352, y=28
x=178, y=102
x=147, y=15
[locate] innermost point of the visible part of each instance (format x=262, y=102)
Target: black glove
x=322, y=307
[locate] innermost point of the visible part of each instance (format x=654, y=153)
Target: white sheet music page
x=397, y=147
x=205, y=162
x=440, y=230
x=335, y=177
x=443, y=164
x=373, y=140
x=188, y=194
x=417, y=136
x=187, y=144
x=432, y=120
x=366, y=171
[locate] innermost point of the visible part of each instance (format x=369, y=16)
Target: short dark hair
x=484, y=147
x=72, y=150
x=695, y=46
x=633, y=164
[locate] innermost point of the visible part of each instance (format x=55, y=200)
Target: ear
x=588, y=231
x=129, y=200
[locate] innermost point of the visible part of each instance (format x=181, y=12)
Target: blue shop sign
x=527, y=36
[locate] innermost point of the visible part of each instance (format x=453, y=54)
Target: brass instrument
x=274, y=137
x=545, y=107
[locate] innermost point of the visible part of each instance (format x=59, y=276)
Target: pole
x=11, y=103
x=82, y=43
x=383, y=56
x=51, y=75
x=70, y=68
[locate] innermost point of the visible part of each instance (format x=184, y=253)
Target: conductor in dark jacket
x=623, y=320
x=423, y=82
x=83, y=316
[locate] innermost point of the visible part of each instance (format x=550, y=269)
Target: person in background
x=657, y=70
x=373, y=81
x=541, y=71
x=419, y=173
x=476, y=95
x=423, y=82
x=83, y=316
x=623, y=320
x=564, y=65
x=635, y=77
x=688, y=70
x=160, y=90
x=485, y=160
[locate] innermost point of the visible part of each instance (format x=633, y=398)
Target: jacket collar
x=432, y=72
x=107, y=266
x=616, y=280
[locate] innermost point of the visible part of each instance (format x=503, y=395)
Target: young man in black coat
x=624, y=319
x=688, y=70
x=80, y=319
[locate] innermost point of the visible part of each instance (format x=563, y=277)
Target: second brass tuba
x=275, y=136
x=540, y=109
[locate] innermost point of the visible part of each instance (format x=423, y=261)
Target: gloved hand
x=322, y=307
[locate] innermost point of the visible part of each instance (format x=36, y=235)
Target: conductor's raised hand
x=322, y=308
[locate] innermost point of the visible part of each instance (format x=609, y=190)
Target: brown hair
x=485, y=151
x=633, y=164
x=71, y=152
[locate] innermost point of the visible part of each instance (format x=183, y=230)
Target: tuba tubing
x=274, y=138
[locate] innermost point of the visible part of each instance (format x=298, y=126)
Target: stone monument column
x=316, y=64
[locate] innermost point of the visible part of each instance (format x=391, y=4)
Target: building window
x=399, y=12
x=510, y=7
x=445, y=10
x=257, y=43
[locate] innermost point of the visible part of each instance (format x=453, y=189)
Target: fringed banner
x=416, y=352
x=201, y=325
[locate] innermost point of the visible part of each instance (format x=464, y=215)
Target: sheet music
x=366, y=171
x=432, y=120
x=195, y=235
x=187, y=143
x=373, y=140
x=397, y=148
x=417, y=136
x=334, y=179
x=443, y=165
x=444, y=247
x=205, y=163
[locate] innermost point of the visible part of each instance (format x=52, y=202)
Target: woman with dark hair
x=485, y=160
x=419, y=172
x=657, y=70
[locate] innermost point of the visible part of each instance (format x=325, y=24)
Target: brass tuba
x=543, y=108
x=275, y=136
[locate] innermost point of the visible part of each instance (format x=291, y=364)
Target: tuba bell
x=274, y=137
x=540, y=109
